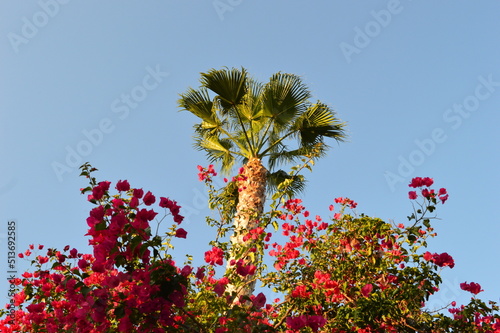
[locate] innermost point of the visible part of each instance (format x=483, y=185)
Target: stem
x=252, y=152
x=275, y=143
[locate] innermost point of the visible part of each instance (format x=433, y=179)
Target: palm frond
x=291, y=185
x=284, y=97
x=198, y=103
x=250, y=108
x=218, y=150
x=284, y=156
x=230, y=85
x=227, y=200
x=316, y=123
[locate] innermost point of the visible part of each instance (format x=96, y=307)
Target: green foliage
x=242, y=118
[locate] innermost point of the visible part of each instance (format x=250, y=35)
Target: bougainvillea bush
x=347, y=273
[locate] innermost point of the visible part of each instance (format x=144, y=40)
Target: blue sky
x=418, y=84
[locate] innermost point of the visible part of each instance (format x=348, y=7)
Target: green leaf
x=119, y=311
x=229, y=84
x=136, y=240
x=275, y=225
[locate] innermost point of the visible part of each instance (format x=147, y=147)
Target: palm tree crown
x=244, y=119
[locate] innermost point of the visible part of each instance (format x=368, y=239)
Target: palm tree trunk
x=251, y=199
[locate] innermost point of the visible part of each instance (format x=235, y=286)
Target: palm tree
x=249, y=122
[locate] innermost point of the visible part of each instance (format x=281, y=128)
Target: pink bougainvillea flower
x=300, y=291
x=296, y=323
x=134, y=202
x=138, y=193
x=427, y=181
x=367, y=289
x=443, y=259
x=472, y=287
x=149, y=199
x=200, y=273
x=97, y=193
x=180, y=233
x=419, y=182
x=211, y=170
x=316, y=322
x=220, y=286
x=36, y=307
x=259, y=300
x=214, y=256
x=428, y=256
x=117, y=203
x=245, y=270
x=122, y=185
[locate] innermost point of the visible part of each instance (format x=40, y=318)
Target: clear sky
x=418, y=83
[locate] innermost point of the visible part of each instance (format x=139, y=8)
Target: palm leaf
x=198, y=103
x=218, y=150
x=294, y=184
x=230, y=85
x=284, y=97
x=316, y=123
x=250, y=108
x=284, y=156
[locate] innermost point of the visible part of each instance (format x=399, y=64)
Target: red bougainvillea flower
x=367, y=289
x=419, y=182
x=180, y=233
x=149, y=199
x=200, y=273
x=443, y=259
x=472, y=287
x=427, y=181
x=443, y=198
x=412, y=195
x=134, y=202
x=428, y=193
x=296, y=323
x=206, y=174
x=173, y=207
x=214, y=256
x=299, y=322
x=259, y=300
x=138, y=193
x=300, y=292
x=428, y=256
x=243, y=269
x=122, y=185
x=316, y=322
x=346, y=202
